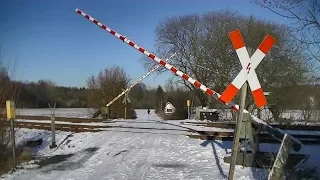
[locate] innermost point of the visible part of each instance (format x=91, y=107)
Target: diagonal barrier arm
x=276, y=132
x=139, y=80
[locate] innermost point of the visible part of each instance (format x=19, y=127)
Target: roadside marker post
x=11, y=115
x=266, y=127
x=188, y=105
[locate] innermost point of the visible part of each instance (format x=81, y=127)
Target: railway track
x=226, y=125
x=231, y=125
x=263, y=138
x=47, y=126
x=71, y=126
x=64, y=119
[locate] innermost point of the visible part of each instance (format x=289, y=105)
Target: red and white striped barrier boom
x=248, y=69
x=235, y=107
x=139, y=80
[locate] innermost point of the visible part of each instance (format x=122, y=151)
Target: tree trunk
x=275, y=113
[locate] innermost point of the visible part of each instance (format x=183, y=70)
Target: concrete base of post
x=53, y=145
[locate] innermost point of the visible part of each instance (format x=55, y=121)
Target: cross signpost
x=247, y=74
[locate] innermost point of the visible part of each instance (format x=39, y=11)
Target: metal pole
x=13, y=143
x=188, y=113
x=236, y=137
x=53, y=129
x=125, y=106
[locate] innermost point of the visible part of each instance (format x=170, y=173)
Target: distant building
x=169, y=108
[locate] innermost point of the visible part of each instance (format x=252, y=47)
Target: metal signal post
x=53, y=130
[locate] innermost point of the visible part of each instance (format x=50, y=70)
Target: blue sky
x=48, y=40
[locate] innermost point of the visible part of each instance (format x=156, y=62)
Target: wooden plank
x=281, y=159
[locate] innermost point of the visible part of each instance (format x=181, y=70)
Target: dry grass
x=6, y=162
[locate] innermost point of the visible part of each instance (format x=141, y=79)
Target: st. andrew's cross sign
x=248, y=69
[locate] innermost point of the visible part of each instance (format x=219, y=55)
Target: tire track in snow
x=139, y=159
x=143, y=170
x=126, y=162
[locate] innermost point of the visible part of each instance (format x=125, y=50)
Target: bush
x=26, y=155
x=180, y=114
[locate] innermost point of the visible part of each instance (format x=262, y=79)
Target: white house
x=169, y=108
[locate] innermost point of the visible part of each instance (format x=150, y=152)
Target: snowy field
x=144, y=148
x=59, y=112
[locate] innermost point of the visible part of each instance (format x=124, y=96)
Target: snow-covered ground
x=144, y=148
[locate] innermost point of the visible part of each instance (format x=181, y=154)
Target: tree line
x=39, y=94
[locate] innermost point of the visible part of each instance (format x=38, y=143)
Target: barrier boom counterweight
x=276, y=132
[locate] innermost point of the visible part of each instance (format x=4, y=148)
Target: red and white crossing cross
x=248, y=69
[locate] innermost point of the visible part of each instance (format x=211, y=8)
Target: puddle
x=54, y=159
x=92, y=149
x=66, y=161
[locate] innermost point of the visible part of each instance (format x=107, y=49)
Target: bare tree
x=8, y=91
x=304, y=16
x=204, y=50
x=107, y=85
